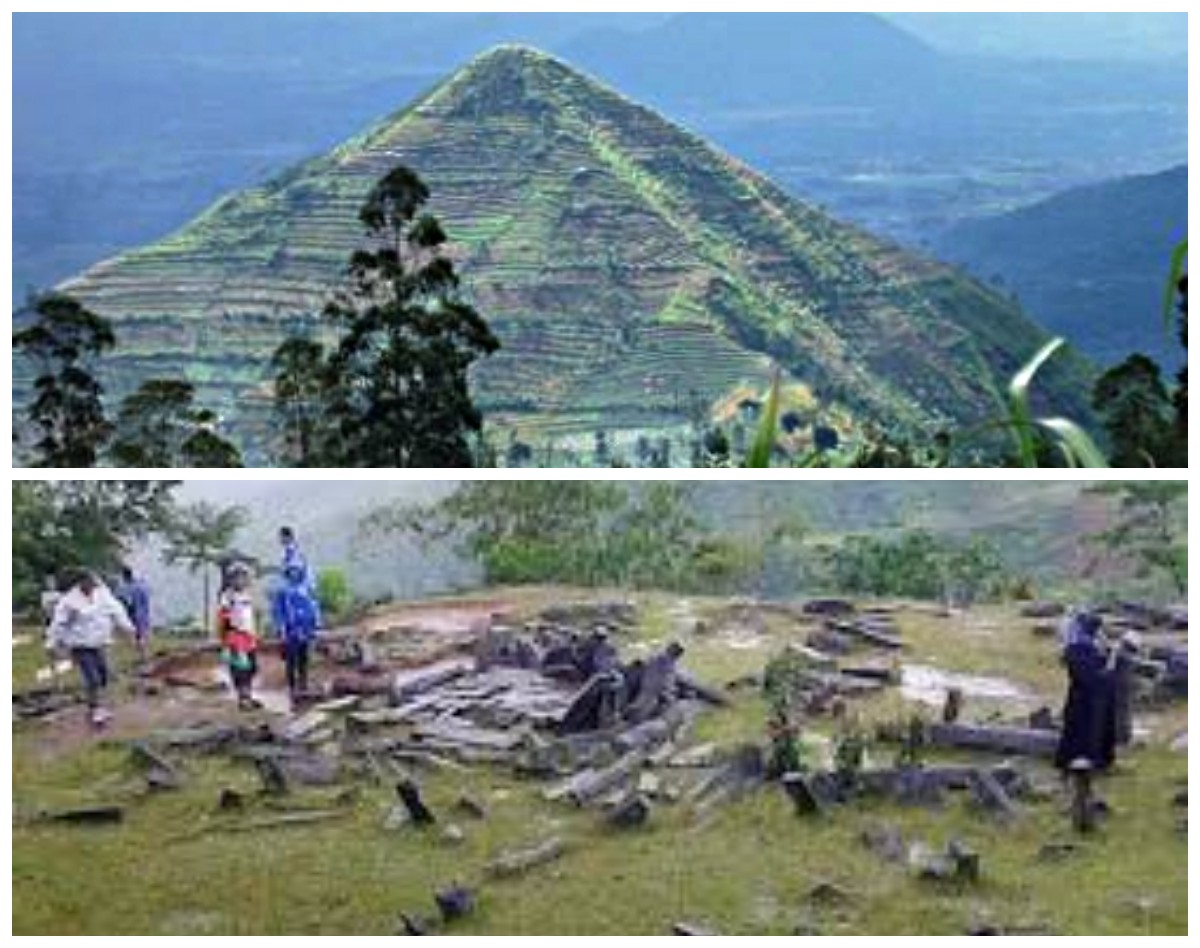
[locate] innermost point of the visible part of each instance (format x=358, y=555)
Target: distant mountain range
x=725, y=59
x=1090, y=263
x=127, y=125
x=632, y=272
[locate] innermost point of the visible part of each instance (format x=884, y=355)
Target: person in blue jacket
x=133, y=593
x=294, y=559
x=296, y=619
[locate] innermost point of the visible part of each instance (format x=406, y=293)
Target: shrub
x=333, y=591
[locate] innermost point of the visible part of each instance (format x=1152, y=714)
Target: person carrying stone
x=82, y=625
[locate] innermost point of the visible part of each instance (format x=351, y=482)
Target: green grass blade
x=1020, y=412
x=1075, y=443
x=764, y=442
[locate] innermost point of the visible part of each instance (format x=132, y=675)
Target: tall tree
x=67, y=410
x=60, y=525
x=587, y=532
x=1135, y=409
x=205, y=448
x=397, y=392
x=160, y=426
x=197, y=536
x=299, y=367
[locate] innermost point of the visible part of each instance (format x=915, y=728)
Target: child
x=236, y=629
x=83, y=624
x=296, y=618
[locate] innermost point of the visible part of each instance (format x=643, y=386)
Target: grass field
x=177, y=866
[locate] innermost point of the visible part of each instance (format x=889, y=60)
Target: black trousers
x=295, y=657
x=243, y=678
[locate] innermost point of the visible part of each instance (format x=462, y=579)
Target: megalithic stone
x=953, y=708
x=632, y=812
x=589, y=785
x=274, y=779
x=410, y=796
x=89, y=815
x=691, y=687
x=519, y=861
x=687, y=928
x=992, y=795
x=1025, y=742
x=805, y=796
x=454, y=902
x=871, y=633
x=1083, y=806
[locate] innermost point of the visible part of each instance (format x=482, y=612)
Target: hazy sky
x=1053, y=35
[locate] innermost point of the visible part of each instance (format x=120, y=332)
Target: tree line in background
x=62, y=527
x=654, y=535
x=391, y=389
x=158, y=426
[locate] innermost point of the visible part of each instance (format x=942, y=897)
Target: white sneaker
x=100, y=717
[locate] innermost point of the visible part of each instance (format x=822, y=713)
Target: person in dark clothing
x=1089, y=719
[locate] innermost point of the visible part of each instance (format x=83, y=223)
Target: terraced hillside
x=631, y=271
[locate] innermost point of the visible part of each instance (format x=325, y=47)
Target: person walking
x=134, y=594
x=82, y=626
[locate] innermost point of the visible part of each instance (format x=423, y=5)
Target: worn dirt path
x=193, y=688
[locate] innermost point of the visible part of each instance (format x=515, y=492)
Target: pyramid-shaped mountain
x=631, y=271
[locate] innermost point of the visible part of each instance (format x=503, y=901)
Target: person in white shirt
x=83, y=624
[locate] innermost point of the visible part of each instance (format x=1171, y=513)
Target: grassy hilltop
x=752, y=867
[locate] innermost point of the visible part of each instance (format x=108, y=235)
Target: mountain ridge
x=1089, y=262
x=624, y=262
